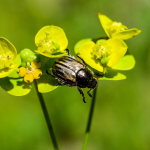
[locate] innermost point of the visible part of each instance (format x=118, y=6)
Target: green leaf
x=113, y=75
x=80, y=43
x=126, y=63
x=6, y=71
x=46, y=83
x=16, y=87
x=126, y=34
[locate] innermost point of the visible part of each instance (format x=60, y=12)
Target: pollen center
x=117, y=27
x=101, y=50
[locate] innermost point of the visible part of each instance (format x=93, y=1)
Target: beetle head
x=92, y=84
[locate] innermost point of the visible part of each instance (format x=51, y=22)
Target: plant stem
x=47, y=117
x=87, y=132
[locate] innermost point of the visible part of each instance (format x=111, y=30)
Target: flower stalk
x=88, y=128
x=47, y=117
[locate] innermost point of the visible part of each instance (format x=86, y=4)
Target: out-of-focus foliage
x=122, y=115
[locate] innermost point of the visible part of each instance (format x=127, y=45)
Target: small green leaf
x=113, y=75
x=16, y=87
x=80, y=43
x=126, y=63
x=46, y=83
x=126, y=34
x=6, y=71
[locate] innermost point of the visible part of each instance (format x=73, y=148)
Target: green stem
x=47, y=118
x=87, y=132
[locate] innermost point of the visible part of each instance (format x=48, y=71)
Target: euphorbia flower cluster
x=104, y=55
x=108, y=53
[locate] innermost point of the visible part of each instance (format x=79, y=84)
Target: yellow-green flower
x=7, y=55
x=51, y=40
x=103, y=54
x=31, y=72
x=116, y=29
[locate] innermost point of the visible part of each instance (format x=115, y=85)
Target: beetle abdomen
x=65, y=69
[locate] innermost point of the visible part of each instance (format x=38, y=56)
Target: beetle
x=71, y=72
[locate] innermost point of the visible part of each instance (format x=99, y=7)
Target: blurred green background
x=122, y=113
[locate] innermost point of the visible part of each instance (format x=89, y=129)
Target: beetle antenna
x=80, y=58
x=89, y=93
x=67, y=50
x=81, y=92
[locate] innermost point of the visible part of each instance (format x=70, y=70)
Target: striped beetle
x=71, y=72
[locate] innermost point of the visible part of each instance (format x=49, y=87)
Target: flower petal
x=6, y=71
x=28, y=78
x=6, y=46
x=126, y=34
x=118, y=50
x=1, y=64
x=50, y=55
x=22, y=71
x=105, y=21
x=37, y=73
x=35, y=64
x=8, y=63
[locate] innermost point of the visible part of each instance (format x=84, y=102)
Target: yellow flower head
x=7, y=53
x=31, y=72
x=103, y=54
x=116, y=29
x=50, y=41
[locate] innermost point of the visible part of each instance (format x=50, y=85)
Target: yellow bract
x=116, y=30
x=32, y=72
x=51, y=40
x=103, y=54
x=7, y=53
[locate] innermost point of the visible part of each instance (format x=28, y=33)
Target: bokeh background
x=122, y=114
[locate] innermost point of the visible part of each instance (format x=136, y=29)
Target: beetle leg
x=81, y=92
x=89, y=93
x=58, y=83
x=80, y=58
x=49, y=74
x=98, y=74
x=67, y=50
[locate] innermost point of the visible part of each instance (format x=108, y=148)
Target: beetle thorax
x=83, y=77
